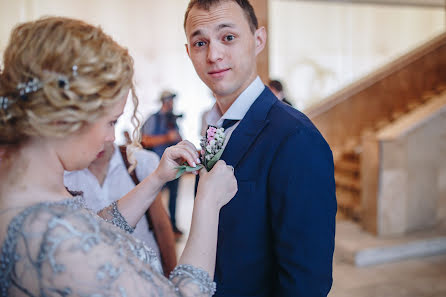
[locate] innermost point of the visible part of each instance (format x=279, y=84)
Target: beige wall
x=410, y=192
x=331, y=43
x=152, y=30
x=317, y=48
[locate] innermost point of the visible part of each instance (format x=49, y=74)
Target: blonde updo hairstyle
x=47, y=50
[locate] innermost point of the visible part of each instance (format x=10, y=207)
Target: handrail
x=375, y=76
x=411, y=121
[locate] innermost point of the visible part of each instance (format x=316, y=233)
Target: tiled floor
x=422, y=277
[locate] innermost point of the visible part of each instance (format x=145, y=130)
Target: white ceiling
x=422, y=3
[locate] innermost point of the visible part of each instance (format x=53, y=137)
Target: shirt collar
x=240, y=107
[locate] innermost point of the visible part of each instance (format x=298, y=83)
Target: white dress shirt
x=117, y=183
x=237, y=110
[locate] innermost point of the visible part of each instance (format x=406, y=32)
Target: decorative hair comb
x=34, y=85
x=4, y=102
x=26, y=88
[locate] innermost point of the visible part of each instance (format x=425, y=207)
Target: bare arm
x=215, y=189
x=200, y=250
x=134, y=205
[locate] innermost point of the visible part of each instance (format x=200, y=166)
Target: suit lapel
x=249, y=128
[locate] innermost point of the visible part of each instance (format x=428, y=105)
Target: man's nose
x=215, y=52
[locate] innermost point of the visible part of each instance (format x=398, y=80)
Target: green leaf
x=192, y=169
x=186, y=168
x=214, y=160
x=180, y=172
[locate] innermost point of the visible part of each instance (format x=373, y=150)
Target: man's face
x=222, y=48
x=168, y=105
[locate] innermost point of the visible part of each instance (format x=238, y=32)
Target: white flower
x=209, y=149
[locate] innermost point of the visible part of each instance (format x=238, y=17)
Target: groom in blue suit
x=276, y=236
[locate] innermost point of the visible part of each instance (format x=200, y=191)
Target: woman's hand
x=218, y=185
x=175, y=156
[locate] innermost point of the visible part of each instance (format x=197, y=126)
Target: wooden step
x=347, y=182
x=349, y=204
x=347, y=165
x=351, y=155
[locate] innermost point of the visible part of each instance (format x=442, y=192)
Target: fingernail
x=198, y=160
x=193, y=164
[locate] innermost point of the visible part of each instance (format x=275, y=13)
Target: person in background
x=158, y=133
x=107, y=179
x=277, y=88
x=128, y=139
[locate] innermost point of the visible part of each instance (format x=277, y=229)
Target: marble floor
x=421, y=277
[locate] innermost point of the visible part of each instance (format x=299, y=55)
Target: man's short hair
x=275, y=84
x=207, y=4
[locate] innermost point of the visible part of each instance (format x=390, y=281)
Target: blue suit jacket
x=276, y=236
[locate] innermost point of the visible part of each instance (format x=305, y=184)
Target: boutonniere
x=211, y=150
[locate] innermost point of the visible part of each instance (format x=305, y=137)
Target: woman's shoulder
x=52, y=242
x=68, y=226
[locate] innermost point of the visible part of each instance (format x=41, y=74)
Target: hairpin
x=4, y=102
x=74, y=70
x=63, y=82
x=35, y=84
x=31, y=86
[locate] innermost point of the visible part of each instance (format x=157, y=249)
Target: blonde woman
x=63, y=86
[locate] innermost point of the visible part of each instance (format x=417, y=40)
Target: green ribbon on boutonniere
x=186, y=168
x=212, y=149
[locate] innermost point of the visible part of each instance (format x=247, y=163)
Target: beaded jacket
x=63, y=249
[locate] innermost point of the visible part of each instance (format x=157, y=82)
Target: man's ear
x=187, y=49
x=260, y=37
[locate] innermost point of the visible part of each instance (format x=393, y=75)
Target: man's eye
x=229, y=37
x=199, y=43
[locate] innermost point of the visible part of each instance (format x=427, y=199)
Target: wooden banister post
x=261, y=10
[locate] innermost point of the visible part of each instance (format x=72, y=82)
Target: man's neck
x=223, y=105
x=225, y=102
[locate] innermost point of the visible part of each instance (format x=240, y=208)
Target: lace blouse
x=63, y=249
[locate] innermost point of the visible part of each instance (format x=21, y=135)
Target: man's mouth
x=218, y=73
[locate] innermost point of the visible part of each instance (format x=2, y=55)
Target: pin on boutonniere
x=211, y=150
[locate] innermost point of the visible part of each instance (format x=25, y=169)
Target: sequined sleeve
x=112, y=215
x=58, y=251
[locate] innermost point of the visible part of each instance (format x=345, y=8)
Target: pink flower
x=211, y=131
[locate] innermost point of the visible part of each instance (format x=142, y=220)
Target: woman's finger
x=179, y=152
x=189, y=147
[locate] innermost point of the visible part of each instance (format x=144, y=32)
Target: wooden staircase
x=348, y=160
